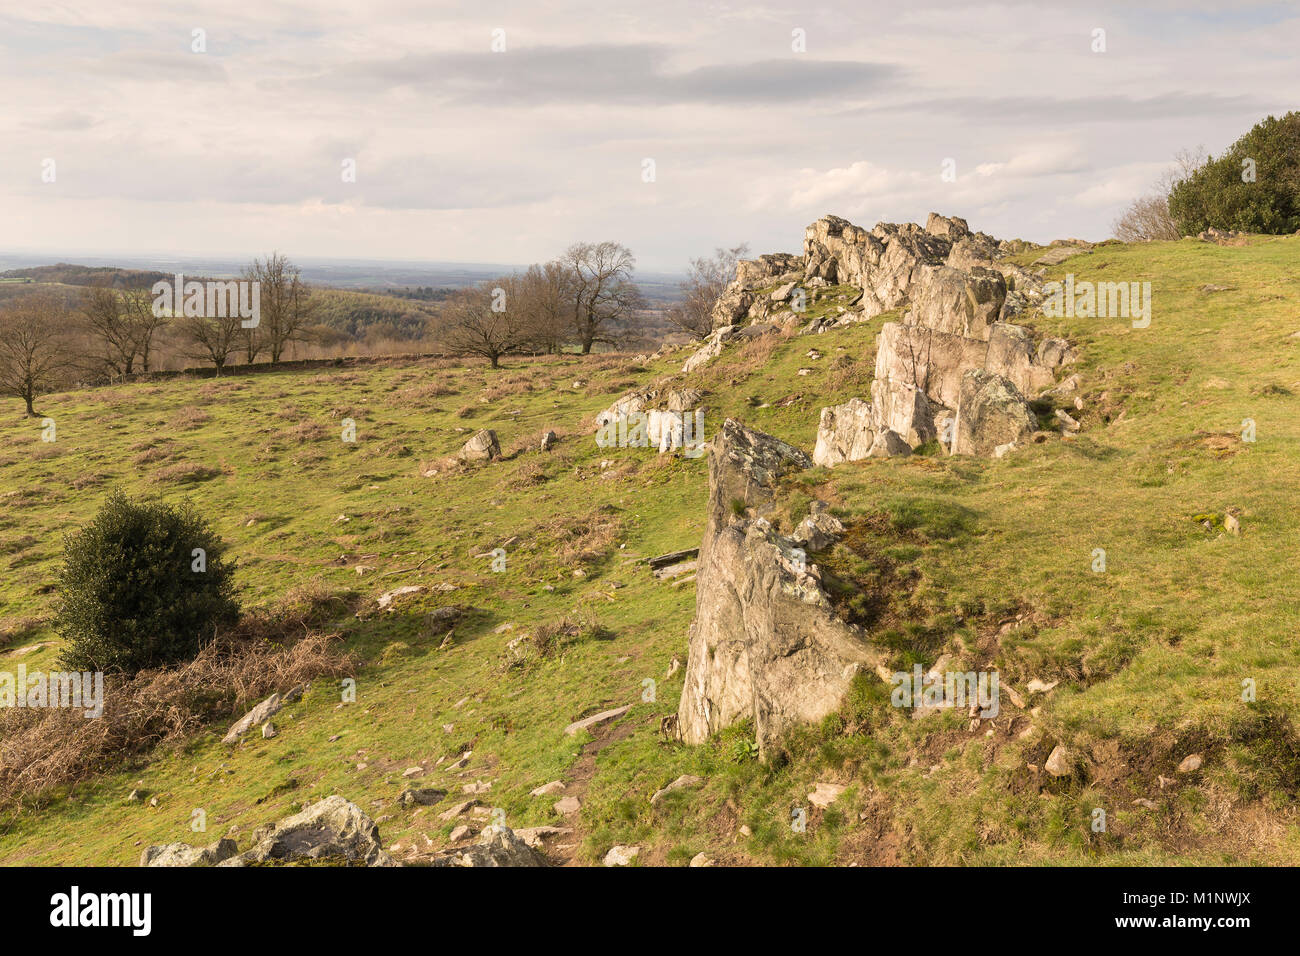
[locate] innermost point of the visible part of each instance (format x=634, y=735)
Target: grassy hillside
x=990, y=561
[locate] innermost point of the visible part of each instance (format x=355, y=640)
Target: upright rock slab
x=765, y=643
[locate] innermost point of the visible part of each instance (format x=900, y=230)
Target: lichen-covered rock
x=765, y=644
x=330, y=829
x=182, y=854
x=990, y=413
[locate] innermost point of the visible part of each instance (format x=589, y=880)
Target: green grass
x=1150, y=655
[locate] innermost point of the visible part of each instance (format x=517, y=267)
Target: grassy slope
x=1150, y=654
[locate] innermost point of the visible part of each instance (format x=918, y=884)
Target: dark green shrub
x=130, y=594
x=1215, y=195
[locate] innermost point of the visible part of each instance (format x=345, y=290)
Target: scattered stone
x=459, y=833
x=258, y=715
x=684, y=782
x=603, y=717
x=1037, y=686
x=458, y=810
x=497, y=846
x=700, y=859
x=824, y=794
x=546, y=789
x=333, y=828
x=672, y=558
x=1191, y=763
x=1059, y=762
x=422, y=796
x=386, y=600
x=536, y=836
x=567, y=805
x=548, y=441
x=621, y=855
x=269, y=731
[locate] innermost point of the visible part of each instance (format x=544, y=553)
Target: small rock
x=460, y=833
x=412, y=771
x=621, y=855
x=269, y=731
x=458, y=810
x=700, y=859
x=546, y=789
x=824, y=794
x=1058, y=762
x=1191, y=763
x=684, y=782
x=567, y=805
x=424, y=796
x=588, y=722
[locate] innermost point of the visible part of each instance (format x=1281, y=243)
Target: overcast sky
x=466, y=154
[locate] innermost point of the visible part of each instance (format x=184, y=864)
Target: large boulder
x=482, y=447
x=765, y=644
x=845, y=433
x=332, y=829
x=991, y=414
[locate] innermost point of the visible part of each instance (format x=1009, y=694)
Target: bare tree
x=286, y=306
x=706, y=279
x=123, y=323
x=604, y=293
x=483, y=321
x=214, y=338
x=547, y=293
x=33, y=346
x=143, y=323
x=1148, y=218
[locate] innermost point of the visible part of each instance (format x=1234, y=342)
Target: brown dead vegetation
x=43, y=749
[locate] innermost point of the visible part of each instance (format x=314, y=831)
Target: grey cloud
x=600, y=73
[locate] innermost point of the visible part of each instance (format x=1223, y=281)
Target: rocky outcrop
x=664, y=419
x=711, y=348
x=497, y=846
x=332, y=829
x=765, y=644
x=740, y=296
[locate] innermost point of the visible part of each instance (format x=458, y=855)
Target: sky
x=502, y=132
